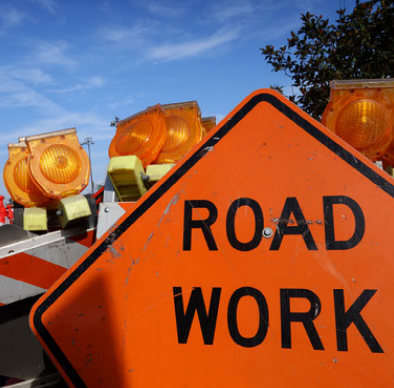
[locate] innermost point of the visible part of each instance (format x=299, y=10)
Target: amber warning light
x=361, y=113
x=47, y=166
x=17, y=179
x=161, y=134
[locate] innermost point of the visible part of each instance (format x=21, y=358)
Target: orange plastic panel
x=17, y=179
x=58, y=163
x=362, y=113
x=264, y=259
x=184, y=130
x=142, y=135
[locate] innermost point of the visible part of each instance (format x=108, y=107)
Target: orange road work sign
x=264, y=258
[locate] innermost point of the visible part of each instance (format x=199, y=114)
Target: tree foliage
x=358, y=45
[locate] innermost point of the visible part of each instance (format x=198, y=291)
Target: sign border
x=263, y=96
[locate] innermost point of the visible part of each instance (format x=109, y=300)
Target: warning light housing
x=142, y=135
x=126, y=174
x=184, y=131
x=58, y=163
x=208, y=123
x=161, y=134
x=361, y=112
x=35, y=219
x=17, y=179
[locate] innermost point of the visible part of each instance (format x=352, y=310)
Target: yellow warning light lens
x=141, y=135
x=22, y=178
x=60, y=164
x=362, y=113
x=134, y=138
x=18, y=180
x=178, y=131
x=362, y=123
x=184, y=131
x=57, y=163
x=160, y=134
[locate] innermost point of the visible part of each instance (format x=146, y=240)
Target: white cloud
x=49, y=5
x=89, y=84
x=16, y=94
x=87, y=124
x=128, y=100
x=96, y=82
x=53, y=53
x=127, y=37
x=10, y=17
x=32, y=76
x=170, y=52
x=232, y=9
x=164, y=10
x=245, y=12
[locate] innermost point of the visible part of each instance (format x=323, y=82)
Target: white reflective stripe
x=63, y=253
x=49, y=381
x=12, y=290
x=42, y=241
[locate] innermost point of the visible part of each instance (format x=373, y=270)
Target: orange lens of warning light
x=184, y=130
x=362, y=123
x=22, y=178
x=134, y=138
x=142, y=135
x=58, y=164
x=361, y=113
x=178, y=130
x=18, y=180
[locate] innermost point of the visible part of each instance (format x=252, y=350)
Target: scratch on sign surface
x=148, y=241
x=173, y=201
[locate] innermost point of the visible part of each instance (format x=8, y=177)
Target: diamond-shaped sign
x=265, y=258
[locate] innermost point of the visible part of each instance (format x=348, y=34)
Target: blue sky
x=80, y=63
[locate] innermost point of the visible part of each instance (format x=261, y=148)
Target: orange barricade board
x=264, y=258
